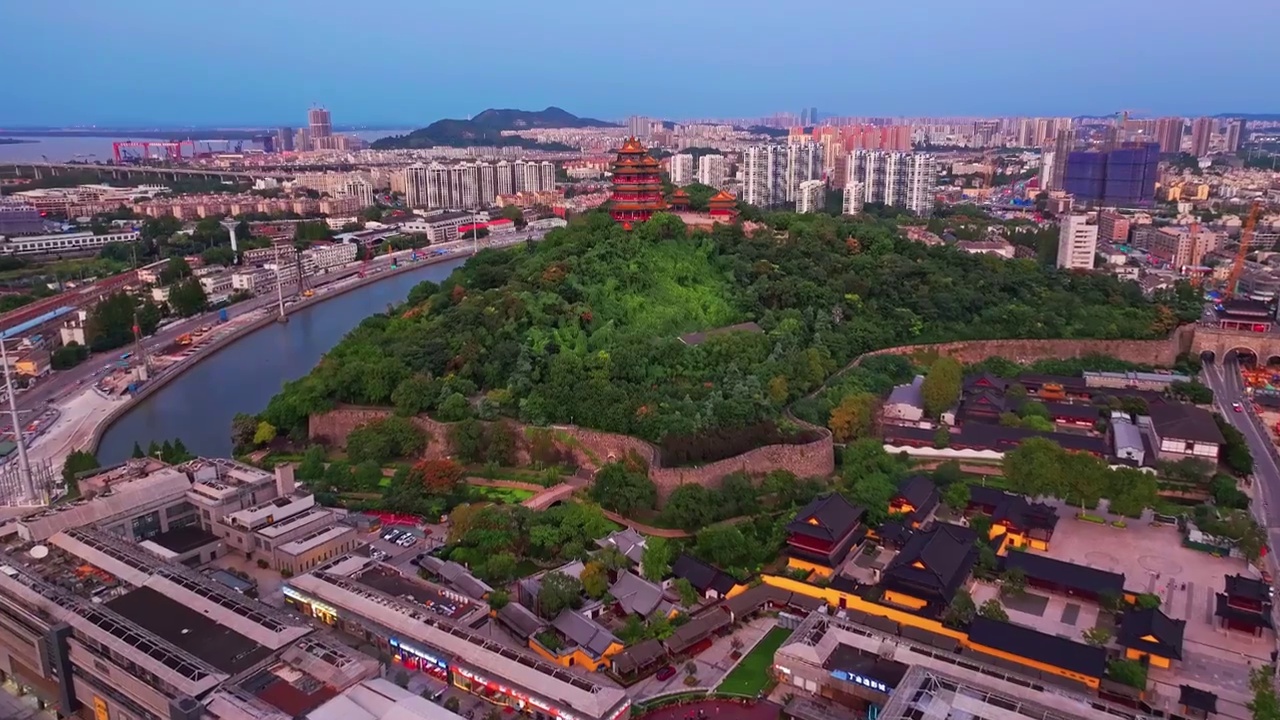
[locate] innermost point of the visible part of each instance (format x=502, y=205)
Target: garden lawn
x=511, y=496
x=752, y=673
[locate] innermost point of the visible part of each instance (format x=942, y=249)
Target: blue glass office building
x=1123, y=177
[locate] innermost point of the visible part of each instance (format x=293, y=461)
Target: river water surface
x=198, y=405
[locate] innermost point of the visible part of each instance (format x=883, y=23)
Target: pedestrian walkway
x=16, y=708
x=716, y=710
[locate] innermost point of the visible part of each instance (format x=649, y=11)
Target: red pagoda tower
x=723, y=206
x=637, y=185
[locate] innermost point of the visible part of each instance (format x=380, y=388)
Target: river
x=199, y=404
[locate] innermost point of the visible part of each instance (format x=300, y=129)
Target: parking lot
x=393, y=544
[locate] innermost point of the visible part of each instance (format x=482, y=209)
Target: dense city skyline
x=244, y=63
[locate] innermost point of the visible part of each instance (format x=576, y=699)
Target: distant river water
x=98, y=149
x=199, y=404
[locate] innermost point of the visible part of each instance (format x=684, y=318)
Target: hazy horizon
x=235, y=63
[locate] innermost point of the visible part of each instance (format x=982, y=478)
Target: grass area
x=511, y=496
x=545, y=477
x=752, y=673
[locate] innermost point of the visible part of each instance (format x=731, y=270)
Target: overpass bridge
x=41, y=170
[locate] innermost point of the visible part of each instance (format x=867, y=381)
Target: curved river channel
x=198, y=405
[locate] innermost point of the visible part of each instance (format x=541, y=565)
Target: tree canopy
x=584, y=327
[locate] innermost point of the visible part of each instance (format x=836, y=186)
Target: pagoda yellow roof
x=723, y=195
x=679, y=193
x=631, y=145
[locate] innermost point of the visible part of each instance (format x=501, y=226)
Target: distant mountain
x=486, y=129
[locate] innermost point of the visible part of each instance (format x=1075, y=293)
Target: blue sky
x=413, y=61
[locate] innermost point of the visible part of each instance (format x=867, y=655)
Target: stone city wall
x=592, y=448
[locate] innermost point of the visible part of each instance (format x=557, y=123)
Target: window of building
x=146, y=526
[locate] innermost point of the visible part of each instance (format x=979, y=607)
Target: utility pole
x=24, y=465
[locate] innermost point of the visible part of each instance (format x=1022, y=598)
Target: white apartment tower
x=1077, y=242
x=811, y=197
x=712, y=171
x=532, y=177
x=358, y=188
x=682, y=169
x=506, y=184
x=415, y=185
x=764, y=175
x=803, y=163
x=488, y=183
x=547, y=171
x=900, y=179
x=522, y=179
x=853, y=193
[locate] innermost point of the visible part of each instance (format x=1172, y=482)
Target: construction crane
x=1194, y=271
x=1246, y=238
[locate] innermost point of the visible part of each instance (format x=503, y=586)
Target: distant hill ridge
x=486, y=129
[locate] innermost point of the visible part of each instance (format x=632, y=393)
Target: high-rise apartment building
x=682, y=169
x=811, y=196
x=318, y=123
x=284, y=139
x=1123, y=177
x=712, y=170
x=302, y=140
x=1235, y=133
x=472, y=185
x=546, y=175
x=764, y=175
x=505, y=177
x=905, y=180
x=1169, y=134
x=1077, y=242
x=853, y=194
x=1202, y=135
x=638, y=126
x=358, y=188
x=803, y=163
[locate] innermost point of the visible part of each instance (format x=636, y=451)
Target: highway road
x=58, y=385
x=1228, y=387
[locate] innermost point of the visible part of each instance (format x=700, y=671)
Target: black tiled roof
x=873, y=667
x=834, y=514
x=1197, y=699
x=998, y=437
x=1150, y=622
x=1080, y=578
x=1074, y=411
x=920, y=492
x=947, y=553
x=1016, y=510
x=984, y=380
x=1227, y=611
x=894, y=534
x=700, y=575
x=1041, y=647
x=1247, y=587
x=1185, y=422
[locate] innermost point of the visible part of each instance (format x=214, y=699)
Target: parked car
x=666, y=673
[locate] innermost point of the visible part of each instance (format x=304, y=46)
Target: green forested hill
x=583, y=327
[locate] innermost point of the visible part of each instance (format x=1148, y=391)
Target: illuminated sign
x=420, y=654
x=100, y=711
x=510, y=692
x=860, y=680
x=316, y=604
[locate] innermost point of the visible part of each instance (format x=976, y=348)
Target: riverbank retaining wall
x=175, y=371
x=591, y=449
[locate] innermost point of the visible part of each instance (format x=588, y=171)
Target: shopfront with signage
x=414, y=658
